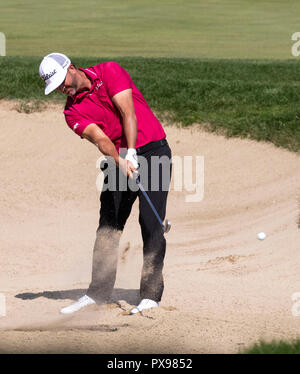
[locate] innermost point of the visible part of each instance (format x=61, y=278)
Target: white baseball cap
x=53, y=70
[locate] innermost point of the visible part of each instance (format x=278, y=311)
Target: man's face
x=69, y=85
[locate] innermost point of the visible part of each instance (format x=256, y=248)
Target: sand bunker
x=224, y=289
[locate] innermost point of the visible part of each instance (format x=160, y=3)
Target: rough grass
x=250, y=99
x=275, y=347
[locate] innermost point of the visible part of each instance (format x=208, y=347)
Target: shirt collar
x=94, y=79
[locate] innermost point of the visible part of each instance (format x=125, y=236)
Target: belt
x=151, y=145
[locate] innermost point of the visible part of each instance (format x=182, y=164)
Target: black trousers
x=116, y=205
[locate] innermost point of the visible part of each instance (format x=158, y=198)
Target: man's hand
x=132, y=157
x=127, y=167
x=132, y=165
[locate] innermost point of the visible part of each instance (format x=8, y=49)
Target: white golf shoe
x=144, y=304
x=80, y=303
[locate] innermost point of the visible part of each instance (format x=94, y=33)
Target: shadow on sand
x=130, y=296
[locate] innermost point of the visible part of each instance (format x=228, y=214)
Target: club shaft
x=151, y=205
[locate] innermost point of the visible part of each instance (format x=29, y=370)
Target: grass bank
x=255, y=99
x=275, y=347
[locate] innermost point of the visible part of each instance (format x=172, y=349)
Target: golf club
x=165, y=226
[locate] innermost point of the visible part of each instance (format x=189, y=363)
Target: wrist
x=131, y=151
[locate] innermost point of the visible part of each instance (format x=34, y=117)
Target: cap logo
x=49, y=75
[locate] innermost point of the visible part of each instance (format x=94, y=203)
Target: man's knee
x=108, y=233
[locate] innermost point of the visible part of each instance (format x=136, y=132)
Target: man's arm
x=96, y=136
x=124, y=102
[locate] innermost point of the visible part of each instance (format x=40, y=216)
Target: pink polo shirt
x=96, y=106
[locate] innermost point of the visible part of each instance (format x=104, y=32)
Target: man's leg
x=105, y=258
x=154, y=248
x=115, y=209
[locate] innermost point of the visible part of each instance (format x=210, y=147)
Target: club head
x=167, y=226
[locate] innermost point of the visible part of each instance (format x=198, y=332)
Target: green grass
x=254, y=99
x=247, y=29
x=275, y=347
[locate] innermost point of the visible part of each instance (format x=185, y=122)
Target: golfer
x=105, y=107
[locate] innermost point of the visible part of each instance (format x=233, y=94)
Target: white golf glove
x=132, y=157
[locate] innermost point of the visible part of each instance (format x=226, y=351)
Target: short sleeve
x=76, y=123
x=115, y=78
